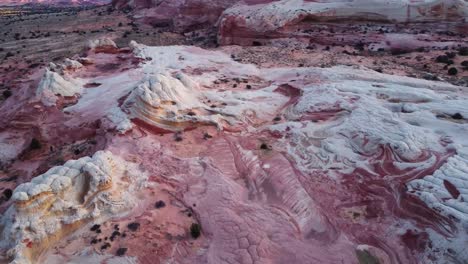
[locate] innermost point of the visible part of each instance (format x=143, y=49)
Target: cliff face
x=132, y=3
x=155, y=3
x=180, y=14
x=242, y=22
x=296, y=18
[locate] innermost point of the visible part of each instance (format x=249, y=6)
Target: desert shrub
x=463, y=51
x=195, y=230
x=159, y=204
x=7, y=193
x=35, y=144
x=121, y=251
x=451, y=55
x=452, y=71
x=6, y=93
x=442, y=59
x=457, y=116
x=133, y=226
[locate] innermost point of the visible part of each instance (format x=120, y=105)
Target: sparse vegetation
x=178, y=136
x=443, y=59
x=9, y=54
x=121, y=251
x=7, y=93
x=35, y=144
x=365, y=257
x=134, y=226
x=195, y=230
x=7, y=193
x=452, y=71
x=457, y=116
x=264, y=146
x=105, y=246
x=463, y=51
x=160, y=204
x=451, y=55
x=207, y=136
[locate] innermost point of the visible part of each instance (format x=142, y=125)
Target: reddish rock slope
x=277, y=164
x=180, y=14
x=245, y=23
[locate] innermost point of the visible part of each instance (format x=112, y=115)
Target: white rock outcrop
x=119, y=119
x=447, y=189
x=70, y=64
x=53, y=84
x=64, y=199
x=101, y=43
x=169, y=98
x=167, y=102
x=66, y=65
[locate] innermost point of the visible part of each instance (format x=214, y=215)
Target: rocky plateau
x=240, y=132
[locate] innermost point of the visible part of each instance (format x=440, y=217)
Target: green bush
x=35, y=144
x=195, y=230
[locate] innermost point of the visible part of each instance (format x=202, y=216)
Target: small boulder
x=101, y=43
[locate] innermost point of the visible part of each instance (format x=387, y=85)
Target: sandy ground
x=35, y=39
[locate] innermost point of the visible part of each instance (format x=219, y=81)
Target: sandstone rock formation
x=180, y=14
x=169, y=99
x=53, y=84
x=312, y=142
x=445, y=190
x=276, y=164
x=245, y=23
x=101, y=44
x=166, y=101
x=64, y=199
x=256, y=22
